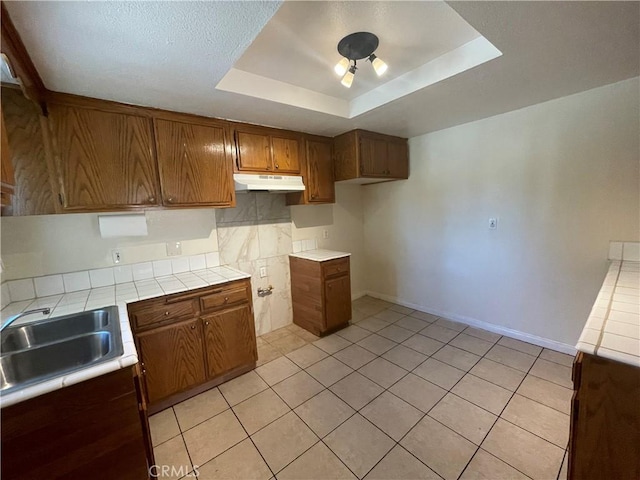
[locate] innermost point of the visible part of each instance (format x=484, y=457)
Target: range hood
x=267, y=183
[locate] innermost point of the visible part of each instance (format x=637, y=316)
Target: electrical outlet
x=493, y=223
x=263, y=272
x=325, y=234
x=117, y=258
x=173, y=249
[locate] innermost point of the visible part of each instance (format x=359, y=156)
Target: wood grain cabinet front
x=317, y=173
x=105, y=159
x=195, y=164
x=268, y=150
x=190, y=342
x=321, y=294
x=172, y=359
x=369, y=157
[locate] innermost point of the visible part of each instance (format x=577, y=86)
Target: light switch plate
x=173, y=249
x=263, y=272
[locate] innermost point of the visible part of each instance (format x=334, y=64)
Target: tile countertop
x=613, y=328
x=120, y=295
x=320, y=255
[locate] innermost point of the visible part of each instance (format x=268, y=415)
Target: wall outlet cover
x=173, y=249
x=493, y=223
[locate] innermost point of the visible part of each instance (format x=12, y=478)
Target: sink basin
x=53, y=330
x=42, y=350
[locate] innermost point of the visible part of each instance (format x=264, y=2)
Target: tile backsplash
x=629, y=251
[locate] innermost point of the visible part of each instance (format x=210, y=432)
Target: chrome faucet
x=13, y=318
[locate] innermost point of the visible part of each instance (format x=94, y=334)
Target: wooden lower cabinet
x=190, y=342
x=91, y=430
x=321, y=294
x=604, y=441
x=229, y=340
x=172, y=358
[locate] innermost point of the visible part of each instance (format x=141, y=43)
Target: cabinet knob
x=169, y=199
x=226, y=299
x=339, y=269
x=207, y=322
x=152, y=200
x=313, y=195
x=277, y=166
x=193, y=327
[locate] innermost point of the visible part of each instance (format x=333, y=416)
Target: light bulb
x=378, y=65
x=347, y=80
x=342, y=66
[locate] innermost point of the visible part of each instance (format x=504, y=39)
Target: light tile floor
x=400, y=394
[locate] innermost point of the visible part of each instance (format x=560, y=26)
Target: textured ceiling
x=172, y=54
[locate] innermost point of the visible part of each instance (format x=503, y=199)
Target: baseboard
x=492, y=327
x=355, y=296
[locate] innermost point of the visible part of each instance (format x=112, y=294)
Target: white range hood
x=267, y=183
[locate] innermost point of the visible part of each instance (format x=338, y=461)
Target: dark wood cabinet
x=7, y=180
x=106, y=159
x=229, y=340
x=604, y=439
x=195, y=164
x=91, y=430
x=27, y=157
x=172, y=359
x=190, y=342
x=268, y=150
x=321, y=294
x=317, y=173
x=369, y=157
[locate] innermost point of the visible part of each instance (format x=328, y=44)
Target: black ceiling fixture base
x=358, y=45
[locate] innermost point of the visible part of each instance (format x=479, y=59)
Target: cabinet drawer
x=332, y=268
x=163, y=312
x=226, y=297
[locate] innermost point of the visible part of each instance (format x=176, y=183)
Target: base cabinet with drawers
x=321, y=294
x=192, y=341
x=604, y=439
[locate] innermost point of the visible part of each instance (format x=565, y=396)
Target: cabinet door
x=398, y=161
x=7, y=179
x=106, y=159
x=194, y=162
x=320, y=185
x=173, y=358
x=230, y=340
x=286, y=154
x=254, y=150
x=337, y=301
x=373, y=157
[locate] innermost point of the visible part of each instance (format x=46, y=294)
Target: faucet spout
x=13, y=318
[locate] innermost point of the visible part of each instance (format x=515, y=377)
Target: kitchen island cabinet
x=321, y=290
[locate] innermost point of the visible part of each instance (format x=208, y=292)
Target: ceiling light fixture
x=355, y=47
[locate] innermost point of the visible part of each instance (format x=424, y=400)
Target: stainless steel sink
x=42, y=350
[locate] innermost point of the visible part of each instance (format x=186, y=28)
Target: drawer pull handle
x=338, y=269
x=193, y=327
x=166, y=314
x=226, y=299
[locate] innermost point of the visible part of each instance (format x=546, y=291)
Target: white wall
x=563, y=178
x=343, y=221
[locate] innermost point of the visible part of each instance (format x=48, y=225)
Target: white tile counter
x=320, y=255
x=613, y=327
x=120, y=294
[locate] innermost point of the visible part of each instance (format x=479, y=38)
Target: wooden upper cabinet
x=286, y=154
x=317, y=173
x=268, y=150
x=195, y=164
x=373, y=157
x=253, y=150
x=106, y=159
x=360, y=155
x=7, y=179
